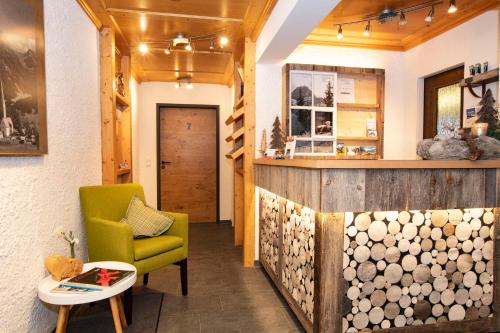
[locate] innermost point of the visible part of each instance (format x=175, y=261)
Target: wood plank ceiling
x=156, y=22
x=391, y=35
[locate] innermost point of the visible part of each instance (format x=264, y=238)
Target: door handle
x=164, y=164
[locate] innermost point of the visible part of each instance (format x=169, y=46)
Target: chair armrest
x=180, y=228
x=109, y=241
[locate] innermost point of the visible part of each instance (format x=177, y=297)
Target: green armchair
x=108, y=239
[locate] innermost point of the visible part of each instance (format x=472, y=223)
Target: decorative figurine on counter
x=488, y=114
x=277, y=139
x=263, y=143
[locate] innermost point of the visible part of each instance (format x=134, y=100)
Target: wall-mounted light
x=367, y=29
x=402, y=19
x=340, y=35
x=453, y=7
x=430, y=16
x=143, y=48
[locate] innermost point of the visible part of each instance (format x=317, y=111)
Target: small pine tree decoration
x=263, y=142
x=488, y=114
x=277, y=139
x=328, y=99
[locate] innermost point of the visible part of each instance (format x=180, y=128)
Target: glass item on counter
x=472, y=70
x=485, y=67
x=478, y=68
x=479, y=129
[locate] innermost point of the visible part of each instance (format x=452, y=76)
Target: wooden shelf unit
x=116, y=127
x=480, y=80
x=369, y=84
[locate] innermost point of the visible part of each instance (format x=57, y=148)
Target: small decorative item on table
x=61, y=267
x=290, y=148
x=472, y=70
x=70, y=238
x=479, y=129
x=485, y=67
x=478, y=68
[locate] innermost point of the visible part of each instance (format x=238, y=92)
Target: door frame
x=216, y=108
x=442, y=79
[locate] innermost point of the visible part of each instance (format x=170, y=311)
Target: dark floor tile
x=174, y=304
x=179, y=324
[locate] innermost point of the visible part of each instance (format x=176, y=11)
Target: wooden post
x=108, y=104
x=328, y=287
x=238, y=208
x=249, y=154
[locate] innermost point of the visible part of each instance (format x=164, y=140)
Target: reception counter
x=356, y=245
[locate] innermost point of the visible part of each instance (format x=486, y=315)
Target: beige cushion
x=146, y=221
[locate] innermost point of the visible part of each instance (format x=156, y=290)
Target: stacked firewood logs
x=269, y=233
x=417, y=267
x=298, y=255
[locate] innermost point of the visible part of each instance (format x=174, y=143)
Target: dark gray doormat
x=98, y=318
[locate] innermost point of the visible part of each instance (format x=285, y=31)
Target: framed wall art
x=23, y=120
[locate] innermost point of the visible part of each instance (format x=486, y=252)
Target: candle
x=479, y=129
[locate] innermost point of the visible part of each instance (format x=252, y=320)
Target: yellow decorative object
x=61, y=267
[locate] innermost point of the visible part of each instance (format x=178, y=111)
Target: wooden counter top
x=381, y=164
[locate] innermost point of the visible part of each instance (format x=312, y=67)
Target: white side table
x=65, y=301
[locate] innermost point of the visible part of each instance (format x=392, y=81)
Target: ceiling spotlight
x=168, y=50
x=180, y=40
x=143, y=48
x=177, y=84
x=189, y=85
x=402, y=19
x=143, y=23
x=340, y=35
x=223, y=40
x=367, y=29
x=212, y=45
x=453, y=7
x=189, y=47
x=430, y=16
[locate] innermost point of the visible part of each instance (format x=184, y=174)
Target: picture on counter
x=323, y=147
x=23, y=124
x=303, y=147
x=352, y=150
x=301, y=123
x=340, y=148
x=290, y=149
x=323, y=122
x=368, y=150
x=269, y=153
x=324, y=90
x=300, y=89
x=471, y=113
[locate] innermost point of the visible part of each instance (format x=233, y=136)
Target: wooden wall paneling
x=285, y=93
x=380, y=116
x=329, y=287
x=108, y=104
x=465, y=188
x=238, y=208
x=303, y=186
x=386, y=189
x=343, y=188
x=249, y=154
x=492, y=187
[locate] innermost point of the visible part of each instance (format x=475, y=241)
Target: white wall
x=151, y=93
x=40, y=193
x=472, y=42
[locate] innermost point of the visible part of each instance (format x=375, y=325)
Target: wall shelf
x=123, y=171
x=235, y=116
x=480, y=80
x=122, y=101
x=357, y=107
x=357, y=138
x=235, y=153
x=238, y=133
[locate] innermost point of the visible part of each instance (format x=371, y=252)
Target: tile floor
x=223, y=295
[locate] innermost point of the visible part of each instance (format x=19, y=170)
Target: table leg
x=123, y=319
x=113, y=301
x=62, y=319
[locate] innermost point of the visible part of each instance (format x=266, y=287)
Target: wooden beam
x=249, y=146
x=90, y=13
x=262, y=19
x=108, y=102
x=167, y=14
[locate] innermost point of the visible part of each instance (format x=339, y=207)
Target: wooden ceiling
x=154, y=22
x=392, y=36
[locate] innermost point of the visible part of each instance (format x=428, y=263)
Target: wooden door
x=188, y=162
x=443, y=102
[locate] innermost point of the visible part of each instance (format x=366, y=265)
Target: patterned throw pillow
x=146, y=221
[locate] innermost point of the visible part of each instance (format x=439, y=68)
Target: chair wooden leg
x=184, y=276
x=145, y=279
x=62, y=319
x=113, y=301
x=128, y=304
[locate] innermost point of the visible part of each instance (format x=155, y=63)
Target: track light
x=177, y=84
x=143, y=48
x=453, y=7
x=340, y=35
x=402, y=19
x=189, y=47
x=189, y=85
x=223, y=41
x=367, y=29
x=430, y=16
x=212, y=45
x=168, y=50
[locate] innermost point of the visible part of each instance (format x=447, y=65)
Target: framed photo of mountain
x=23, y=119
